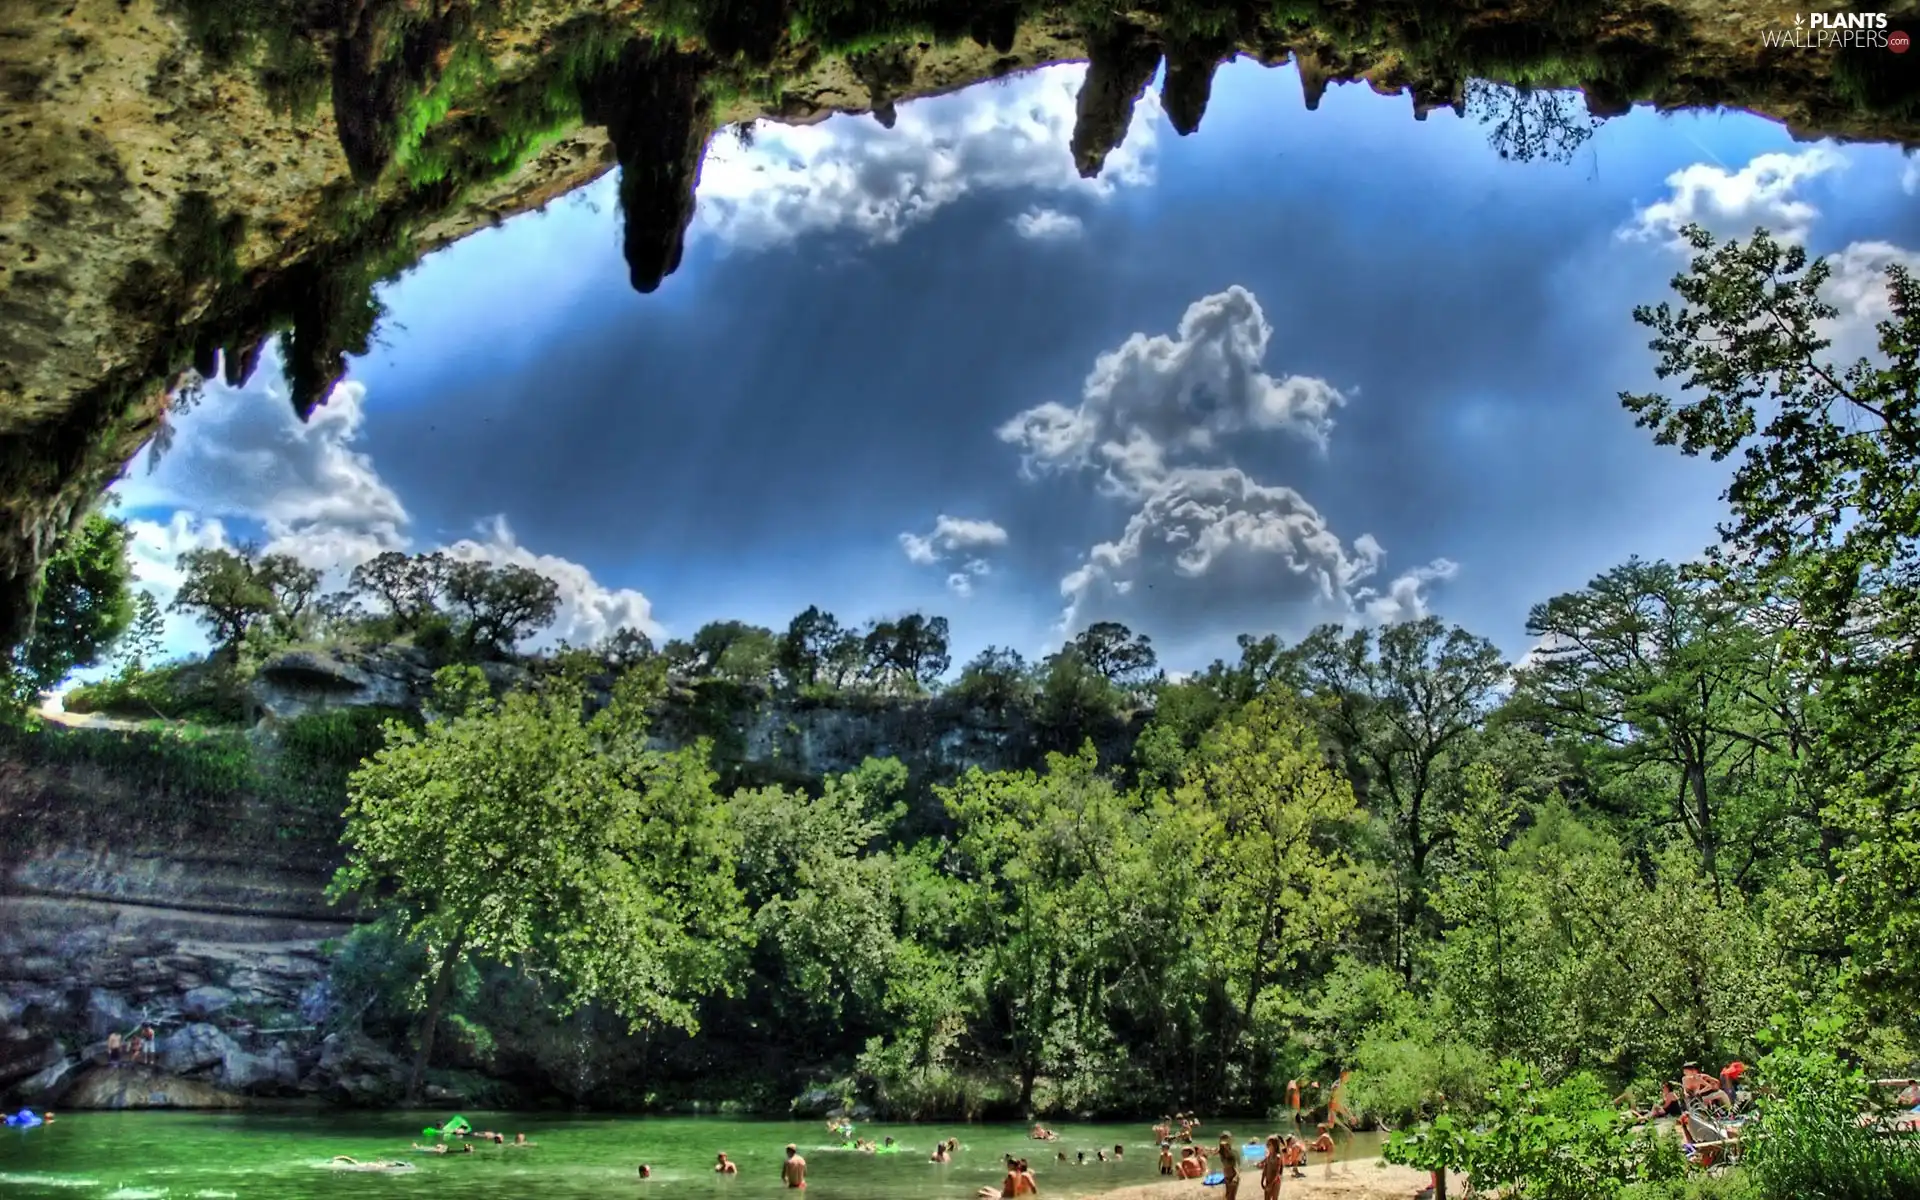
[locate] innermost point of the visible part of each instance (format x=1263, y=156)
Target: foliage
x=522, y=831
x=1808, y=1139
x=498, y=605
x=996, y=681
x=84, y=608
x=1119, y=655
x=209, y=693
x=241, y=592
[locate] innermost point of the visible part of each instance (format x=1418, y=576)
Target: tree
x=497, y=606
x=997, y=680
x=409, y=586
x=139, y=646
x=811, y=642
x=84, y=606
x=1827, y=491
x=1403, y=720
x=1653, y=670
x=1269, y=813
x=625, y=648
x=519, y=832
x=1124, y=657
x=912, y=649
x=224, y=590
x=292, y=587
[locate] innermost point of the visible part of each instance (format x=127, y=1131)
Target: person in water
x=1191, y=1167
x=1118, y=1150
x=723, y=1167
x=793, y=1172
x=1166, y=1158
x=646, y=1172
x=1229, y=1167
x=940, y=1154
x=520, y=1139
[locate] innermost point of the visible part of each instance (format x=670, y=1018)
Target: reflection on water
x=133, y=1156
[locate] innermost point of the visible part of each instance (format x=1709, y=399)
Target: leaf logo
x=1799, y=19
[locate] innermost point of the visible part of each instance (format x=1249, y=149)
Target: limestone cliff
x=147, y=880
x=180, y=179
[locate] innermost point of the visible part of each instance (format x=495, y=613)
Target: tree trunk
x=430, y=1019
x=1703, y=816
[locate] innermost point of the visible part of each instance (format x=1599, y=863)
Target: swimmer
x=793, y=1172
x=437, y=1148
x=940, y=1154
x=1166, y=1158
x=646, y=1172
x=1101, y=1155
x=1063, y=1156
x=1118, y=1150
x=520, y=1139
x=343, y=1163
x=723, y=1167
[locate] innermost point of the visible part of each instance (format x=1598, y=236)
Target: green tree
x=521, y=832
x=996, y=680
x=1404, y=720
x=812, y=643
x=911, y=650
x=139, y=647
x=84, y=606
x=497, y=606
x=1654, y=672
x=1123, y=657
x=224, y=589
x=1270, y=813
x=409, y=586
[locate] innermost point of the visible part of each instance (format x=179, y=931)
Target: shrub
x=1808, y=1140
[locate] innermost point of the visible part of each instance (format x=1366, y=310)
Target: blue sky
x=1298, y=367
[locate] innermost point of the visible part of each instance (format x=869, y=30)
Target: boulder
x=275, y=1071
x=203, y=1002
x=108, y=1012
x=197, y=1047
x=356, y=1070
x=106, y=1087
x=21, y=1058
x=816, y=1102
x=303, y=681
x=48, y=1085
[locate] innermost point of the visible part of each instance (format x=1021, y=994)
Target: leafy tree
x=996, y=680
x=910, y=650
x=139, y=647
x=409, y=586
x=292, y=586
x=84, y=607
x=811, y=642
x=1074, y=700
x=1654, y=671
x=521, y=832
x=1827, y=491
x=1268, y=811
x=1123, y=657
x=625, y=648
x=227, y=592
x=1403, y=719
x=497, y=606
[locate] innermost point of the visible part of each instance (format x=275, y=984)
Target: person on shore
x=1192, y=1166
x=146, y=1037
x=1670, y=1104
x=113, y=1049
x=793, y=1172
x=1295, y=1156
x=1270, y=1169
x=1730, y=1079
x=1324, y=1145
x=1229, y=1168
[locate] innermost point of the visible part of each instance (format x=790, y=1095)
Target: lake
x=174, y=1156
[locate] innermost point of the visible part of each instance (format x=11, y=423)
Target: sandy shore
x=1362, y=1179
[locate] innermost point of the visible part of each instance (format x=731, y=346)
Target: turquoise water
x=211, y=1156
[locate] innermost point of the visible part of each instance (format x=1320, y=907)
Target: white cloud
x=1047, y=224
x=1160, y=397
x=1732, y=204
x=952, y=536
x=1255, y=546
x=849, y=174
x=243, y=455
x=1910, y=178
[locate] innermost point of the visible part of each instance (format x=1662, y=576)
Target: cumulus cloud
x=1047, y=225
x=1910, y=177
x=849, y=174
x=1256, y=546
x=1157, y=399
x=1733, y=203
x=241, y=455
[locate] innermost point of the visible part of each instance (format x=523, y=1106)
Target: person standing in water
x=723, y=1167
x=793, y=1172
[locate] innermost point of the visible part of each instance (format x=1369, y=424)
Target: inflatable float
x=1252, y=1153
x=1213, y=1180
x=23, y=1119
x=455, y=1124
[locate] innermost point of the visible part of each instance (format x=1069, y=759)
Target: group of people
x=1080, y=1156
x=1697, y=1089
x=135, y=1048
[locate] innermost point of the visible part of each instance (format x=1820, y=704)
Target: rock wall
x=129, y=898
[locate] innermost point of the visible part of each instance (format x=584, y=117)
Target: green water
x=174, y=1156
